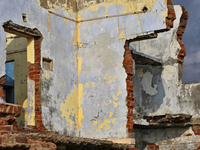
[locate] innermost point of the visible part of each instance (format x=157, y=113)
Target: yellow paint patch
x=46, y=75
x=80, y=60
x=71, y=107
x=66, y=20
x=91, y=132
x=106, y=13
x=114, y=119
x=130, y=6
x=111, y=114
x=142, y=30
x=30, y=50
x=77, y=41
x=164, y=14
x=88, y=83
x=104, y=124
x=26, y=116
x=115, y=99
x=118, y=31
x=80, y=111
x=95, y=123
x=25, y=104
x=119, y=93
x=166, y=2
x=108, y=79
x=122, y=36
x=139, y=24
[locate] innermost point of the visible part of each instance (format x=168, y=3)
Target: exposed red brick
x=152, y=147
x=2, y=82
x=171, y=14
x=6, y=128
x=34, y=74
x=3, y=122
x=21, y=139
x=181, y=29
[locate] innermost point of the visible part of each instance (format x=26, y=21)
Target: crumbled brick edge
x=181, y=30
x=35, y=74
x=2, y=82
x=128, y=65
x=171, y=14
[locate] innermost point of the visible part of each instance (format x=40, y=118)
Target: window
x=47, y=64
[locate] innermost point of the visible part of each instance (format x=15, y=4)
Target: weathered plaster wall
x=57, y=44
x=166, y=48
x=148, y=88
x=85, y=93
x=167, y=138
x=189, y=99
x=102, y=76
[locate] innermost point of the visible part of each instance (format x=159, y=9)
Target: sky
x=191, y=40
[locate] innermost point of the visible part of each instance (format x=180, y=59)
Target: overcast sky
x=191, y=40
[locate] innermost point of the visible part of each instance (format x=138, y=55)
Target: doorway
x=16, y=73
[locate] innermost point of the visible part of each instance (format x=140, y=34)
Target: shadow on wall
x=148, y=89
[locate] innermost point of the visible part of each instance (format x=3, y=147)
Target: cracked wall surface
x=85, y=94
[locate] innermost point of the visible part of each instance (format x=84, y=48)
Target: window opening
x=47, y=64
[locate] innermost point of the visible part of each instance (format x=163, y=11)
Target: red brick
x=3, y=122
x=1, y=105
x=5, y=128
x=3, y=132
x=21, y=139
x=128, y=59
x=37, y=42
x=130, y=131
x=129, y=99
x=129, y=115
x=129, y=126
x=130, y=122
x=38, y=117
x=39, y=121
x=18, y=110
x=128, y=52
x=169, y=2
x=38, y=113
x=10, y=109
x=37, y=80
x=130, y=118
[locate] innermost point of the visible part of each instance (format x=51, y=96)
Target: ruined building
x=95, y=74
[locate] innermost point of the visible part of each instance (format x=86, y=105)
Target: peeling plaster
x=146, y=83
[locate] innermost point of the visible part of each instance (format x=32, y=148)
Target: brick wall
x=35, y=74
x=128, y=65
x=171, y=14
x=2, y=82
x=181, y=29
x=152, y=147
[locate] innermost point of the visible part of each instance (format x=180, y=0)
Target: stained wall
x=85, y=94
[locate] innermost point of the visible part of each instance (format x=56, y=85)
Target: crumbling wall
x=102, y=76
x=57, y=44
x=85, y=92
x=167, y=138
x=166, y=48
x=148, y=89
